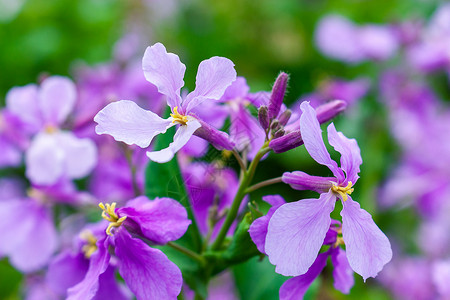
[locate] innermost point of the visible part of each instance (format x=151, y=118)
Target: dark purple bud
x=328, y=111
x=286, y=142
x=285, y=116
x=277, y=96
x=263, y=117
x=275, y=125
x=279, y=133
x=217, y=138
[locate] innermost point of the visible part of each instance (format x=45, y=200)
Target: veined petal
x=110, y=288
x=98, y=263
x=214, y=76
x=296, y=232
x=22, y=102
x=56, y=99
x=312, y=137
x=180, y=139
x=161, y=220
x=80, y=155
x=368, y=249
x=295, y=288
x=165, y=71
x=301, y=181
x=349, y=150
x=342, y=272
x=126, y=122
x=147, y=272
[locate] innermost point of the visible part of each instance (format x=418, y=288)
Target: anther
x=110, y=215
x=177, y=117
x=343, y=191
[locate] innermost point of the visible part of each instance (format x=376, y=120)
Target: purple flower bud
x=275, y=125
x=277, y=96
x=287, y=142
x=279, y=133
x=217, y=138
x=285, y=116
x=328, y=111
x=263, y=117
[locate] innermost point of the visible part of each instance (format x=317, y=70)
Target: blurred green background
x=261, y=38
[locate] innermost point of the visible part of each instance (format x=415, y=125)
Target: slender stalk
x=244, y=181
x=239, y=159
x=187, y=252
x=129, y=157
x=263, y=184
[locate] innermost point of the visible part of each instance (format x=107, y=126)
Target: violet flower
x=147, y=271
x=129, y=123
x=297, y=230
x=53, y=154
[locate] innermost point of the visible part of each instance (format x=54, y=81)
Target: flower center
x=110, y=215
x=50, y=129
x=91, y=243
x=177, y=117
x=343, y=191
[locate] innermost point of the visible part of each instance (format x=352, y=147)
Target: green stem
x=187, y=252
x=244, y=182
x=129, y=157
x=263, y=184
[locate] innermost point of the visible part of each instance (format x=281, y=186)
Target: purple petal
x=30, y=233
x=165, y=71
x=22, y=102
x=219, y=139
x=368, y=249
x=180, y=139
x=258, y=229
x=238, y=89
x=98, y=263
x=127, y=122
x=295, y=288
x=66, y=270
x=301, y=181
x=161, y=220
x=44, y=159
x=80, y=155
x=57, y=97
x=377, y=42
x=441, y=277
x=349, y=150
x=147, y=272
x=214, y=76
x=11, y=155
x=109, y=288
x=312, y=137
x=342, y=272
x=296, y=232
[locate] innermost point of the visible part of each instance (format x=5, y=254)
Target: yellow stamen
x=110, y=215
x=339, y=238
x=50, y=129
x=177, y=117
x=343, y=191
x=91, y=246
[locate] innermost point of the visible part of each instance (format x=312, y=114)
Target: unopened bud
x=277, y=96
x=285, y=116
x=263, y=117
x=275, y=125
x=279, y=133
x=286, y=142
x=328, y=111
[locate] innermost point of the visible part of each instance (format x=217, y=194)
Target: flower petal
x=165, y=71
x=368, y=249
x=295, y=288
x=147, y=272
x=80, y=155
x=11, y=155
x=161, y=220
x=342, y=272
x=126, y=122
x=349, y=150
x=301, y=181
x=180, y=139
x=258, y=229
x=22, y=102
x=56, y=98
x=296, y=232
x=98, y=263
x=109, y=288
x=214, y=76
x=44, y=159
x=312, y=137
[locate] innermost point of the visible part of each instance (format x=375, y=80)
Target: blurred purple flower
x=129, y=123
x=296, y=230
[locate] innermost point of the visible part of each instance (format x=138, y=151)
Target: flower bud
x=275, y=125
x=263, y=117
x=285, y=116
x=279, y=133
x=286, y=142
x=328, y=111
x=277, y=96
x=219, y=139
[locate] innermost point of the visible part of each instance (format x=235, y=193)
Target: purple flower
x=297, y=230
x=129, y=123
x=53, y=154
x=147, y=271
